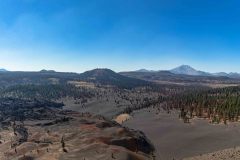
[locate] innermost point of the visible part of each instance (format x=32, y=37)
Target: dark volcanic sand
x=174, y=139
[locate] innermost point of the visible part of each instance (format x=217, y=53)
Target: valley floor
x=174, y=139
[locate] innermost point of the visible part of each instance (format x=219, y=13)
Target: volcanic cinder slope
x=42, y=132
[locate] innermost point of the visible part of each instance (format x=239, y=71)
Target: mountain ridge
x=180, y=70
x=188, y=70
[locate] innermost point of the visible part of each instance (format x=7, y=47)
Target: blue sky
x=78, y=35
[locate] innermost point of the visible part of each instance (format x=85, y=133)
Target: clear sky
x=77, y=35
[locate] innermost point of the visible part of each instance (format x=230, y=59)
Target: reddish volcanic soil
x=77, y=137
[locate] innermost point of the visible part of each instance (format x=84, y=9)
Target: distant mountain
x=183, y=73
x=109, y=77
x=188, y=70
x=3, y=70
x=48, y=71
x=230, y=75
x=166, y=77
x=221, y=74
x=144, y=70
x=234, y=75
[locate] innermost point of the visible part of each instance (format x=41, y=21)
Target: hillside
x=109, y=77
x=41, y=130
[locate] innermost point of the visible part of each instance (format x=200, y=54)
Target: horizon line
x=130, y=70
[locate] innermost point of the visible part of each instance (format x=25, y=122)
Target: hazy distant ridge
x=3, y=70
x=188, y=70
